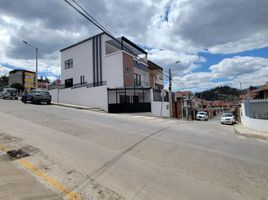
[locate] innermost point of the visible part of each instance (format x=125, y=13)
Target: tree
x=3, y=81
x=252, y=87
x=18, y=86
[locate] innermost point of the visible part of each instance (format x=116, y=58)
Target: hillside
x=220, y=93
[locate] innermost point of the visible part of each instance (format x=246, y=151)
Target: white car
x=228, y=118
x=201, y=115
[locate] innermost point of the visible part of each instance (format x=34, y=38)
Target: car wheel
x=49, y=102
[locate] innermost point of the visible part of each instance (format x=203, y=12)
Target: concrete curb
x=77, y=107
x=242, y=130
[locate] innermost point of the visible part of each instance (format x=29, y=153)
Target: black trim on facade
x=100, y=59
x=73, y=45
x=93, y=59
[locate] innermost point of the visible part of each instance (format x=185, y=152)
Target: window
x=82, y=79
x=69, y=82
x=128, y=71
x=137, y=80
x=124, y=99
x=68, y=64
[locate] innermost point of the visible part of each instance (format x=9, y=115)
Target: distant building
x=262, y=92
x=42, y=83
x=24, y=77
x=155, y=76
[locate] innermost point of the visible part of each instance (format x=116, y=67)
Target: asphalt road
x=139, y=157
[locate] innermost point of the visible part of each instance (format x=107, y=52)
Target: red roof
x=183, y=93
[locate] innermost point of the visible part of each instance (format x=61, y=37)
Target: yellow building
x=29, y=78
x=24, y=77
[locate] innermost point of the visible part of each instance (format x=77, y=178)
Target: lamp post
x=36, y=62
x=170, y=87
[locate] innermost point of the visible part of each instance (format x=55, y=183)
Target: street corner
x=239, y=129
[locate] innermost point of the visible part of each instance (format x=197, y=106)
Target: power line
x=100, y=26
x=97, y=16
x=89, y=17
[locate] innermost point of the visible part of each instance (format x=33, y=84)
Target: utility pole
x=240, y=87
x=36, y=62
x=36, y=68
x=170, y=91
x=170, y=87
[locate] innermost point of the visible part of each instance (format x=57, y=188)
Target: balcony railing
x=138, y=83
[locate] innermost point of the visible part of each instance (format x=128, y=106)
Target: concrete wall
x=92, y=97
x=156, y=108
x=251, y=123
x=157, y=105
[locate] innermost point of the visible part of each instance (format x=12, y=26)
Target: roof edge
x=82, y=41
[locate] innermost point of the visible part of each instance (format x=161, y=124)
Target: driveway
x=110, y=156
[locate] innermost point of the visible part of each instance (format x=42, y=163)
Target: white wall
x=113, y=70
x=254, y=124
x=92, y=97
x=82, y=62
x=156, y=108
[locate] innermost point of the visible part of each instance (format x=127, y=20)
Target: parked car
x=228, y=118
x=202, y=115
x=36, y=96
x=9, y=93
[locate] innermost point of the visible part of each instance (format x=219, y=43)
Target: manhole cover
x=16, y=154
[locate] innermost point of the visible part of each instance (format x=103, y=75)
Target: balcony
x=139, y=83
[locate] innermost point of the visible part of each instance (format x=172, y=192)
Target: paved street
x=108, y=156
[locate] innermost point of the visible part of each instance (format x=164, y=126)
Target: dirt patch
x=4, y=138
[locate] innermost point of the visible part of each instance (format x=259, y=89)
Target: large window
x=69, y=82
x=68, y=64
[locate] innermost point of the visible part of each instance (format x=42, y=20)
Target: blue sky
x=217, y=43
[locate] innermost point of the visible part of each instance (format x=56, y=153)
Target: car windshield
x=201, y=113
x=227, y=115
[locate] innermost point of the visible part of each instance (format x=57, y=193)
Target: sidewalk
x=77, y=107
x=242, y=130
x=15, y=183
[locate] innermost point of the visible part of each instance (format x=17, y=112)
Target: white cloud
x=172, y=30
x=4, y=70
x=230, y=71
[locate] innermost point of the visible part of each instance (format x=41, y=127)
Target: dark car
x=36, y=96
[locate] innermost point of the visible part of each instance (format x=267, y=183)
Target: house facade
x=107, y=73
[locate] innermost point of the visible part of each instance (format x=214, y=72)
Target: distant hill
x=220, y=93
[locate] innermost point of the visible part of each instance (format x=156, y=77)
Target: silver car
x=228, y=118
x=202, y=115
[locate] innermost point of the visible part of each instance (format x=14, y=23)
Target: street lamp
x=36, y=62
x=170, y=87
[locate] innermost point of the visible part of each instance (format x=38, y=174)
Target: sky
x=218, y=42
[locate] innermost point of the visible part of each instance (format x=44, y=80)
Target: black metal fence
x=77, y=85
x=127, y=100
